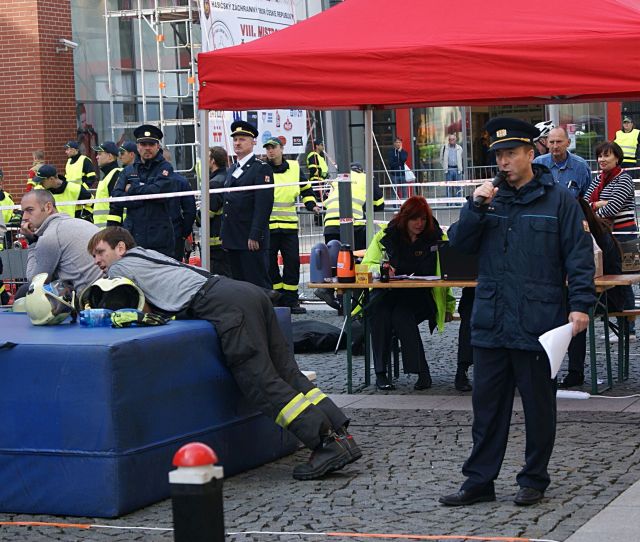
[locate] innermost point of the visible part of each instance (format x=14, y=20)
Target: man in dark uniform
x=253, y=345
x=514, y=227
x=149, y=221
x=245, y=219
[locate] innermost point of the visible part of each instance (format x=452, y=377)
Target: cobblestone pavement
x=411, y=457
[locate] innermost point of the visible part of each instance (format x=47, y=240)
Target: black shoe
x=382, y=382
x=424, y=382
x=328, y=297
x=331, y=455
x=353, y=448
x=468, y=496
x=297, y=309
x=573, y=378
x=527, y=496
x=461, y=381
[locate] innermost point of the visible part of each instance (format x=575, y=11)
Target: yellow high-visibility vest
x=101, y=209
x=284, y=215
x=628, y=142
x=74, y=172
x=71, y=193
x=358, y=196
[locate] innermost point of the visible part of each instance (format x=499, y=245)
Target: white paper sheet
x=556, y=343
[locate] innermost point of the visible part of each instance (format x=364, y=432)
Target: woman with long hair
x=612, y=198
x=611, y=265
x=409, y=243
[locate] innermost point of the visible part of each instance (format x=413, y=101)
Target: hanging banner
x=228, y=23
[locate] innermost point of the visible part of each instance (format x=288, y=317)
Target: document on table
x=556, y=343
x=415, y=277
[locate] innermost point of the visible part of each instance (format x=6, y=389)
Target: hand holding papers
x=556, y=343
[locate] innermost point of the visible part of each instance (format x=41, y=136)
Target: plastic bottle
x=95, y=318
x=384, y=268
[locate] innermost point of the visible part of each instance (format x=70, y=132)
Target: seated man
x=58, y=242
x=254, y=347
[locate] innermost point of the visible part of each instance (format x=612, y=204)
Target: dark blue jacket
x=528, y=242
x=246, y=213
x=397, y=159
x=182, y=209
x=149, y=221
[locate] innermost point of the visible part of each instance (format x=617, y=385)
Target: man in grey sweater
x=58, y=242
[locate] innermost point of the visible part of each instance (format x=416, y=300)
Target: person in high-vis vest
x=283, y=224
x=79, y=168
x=332, y=219
x=629, y=140
x=46, y=178
x=5, y=199
x=127, y=152
x=317, y=162
x=253, y=346
x=358, y=197
x=104, y=214
x=38, y=160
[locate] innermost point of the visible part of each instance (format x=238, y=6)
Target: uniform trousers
x=250, y=266
x=496, y=374
x=465, y=350
x=219, y=261
x=287, y=243
x=259, y=358
x=400, y=311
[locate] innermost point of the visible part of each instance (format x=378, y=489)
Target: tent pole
x=368, y=167
x=204, y=189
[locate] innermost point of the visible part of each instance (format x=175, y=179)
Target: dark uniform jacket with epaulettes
x=529, y=241
x=148, y=221
x=246, y=213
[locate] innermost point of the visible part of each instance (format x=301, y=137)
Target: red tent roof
x=420, y=52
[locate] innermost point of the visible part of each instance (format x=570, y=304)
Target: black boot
x=328, y=296
x=332, y=454
x=573, y=378
x=461, y=381
x=353, y=448
x=424, y=381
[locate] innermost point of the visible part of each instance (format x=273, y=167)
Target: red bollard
x=196, y=494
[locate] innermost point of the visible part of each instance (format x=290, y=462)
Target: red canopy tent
x=376, y=53
x=364, y=54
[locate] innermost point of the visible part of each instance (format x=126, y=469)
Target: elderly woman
x=612, y=198
x=409, y=243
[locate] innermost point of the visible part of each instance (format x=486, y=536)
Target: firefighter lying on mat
x=254, y=347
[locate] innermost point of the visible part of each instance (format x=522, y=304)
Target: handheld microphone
x=478, y=201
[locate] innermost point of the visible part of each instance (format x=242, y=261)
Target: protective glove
x=133, y=317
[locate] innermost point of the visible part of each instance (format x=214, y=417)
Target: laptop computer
x=456, y=265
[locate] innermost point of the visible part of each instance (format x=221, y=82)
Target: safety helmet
x=49, y=304
x=19, y=305
x=115, y=294
x=545, y=127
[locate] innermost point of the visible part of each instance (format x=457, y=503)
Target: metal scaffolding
x=144, y=89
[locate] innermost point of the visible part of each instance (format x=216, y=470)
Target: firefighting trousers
x=262, y=363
